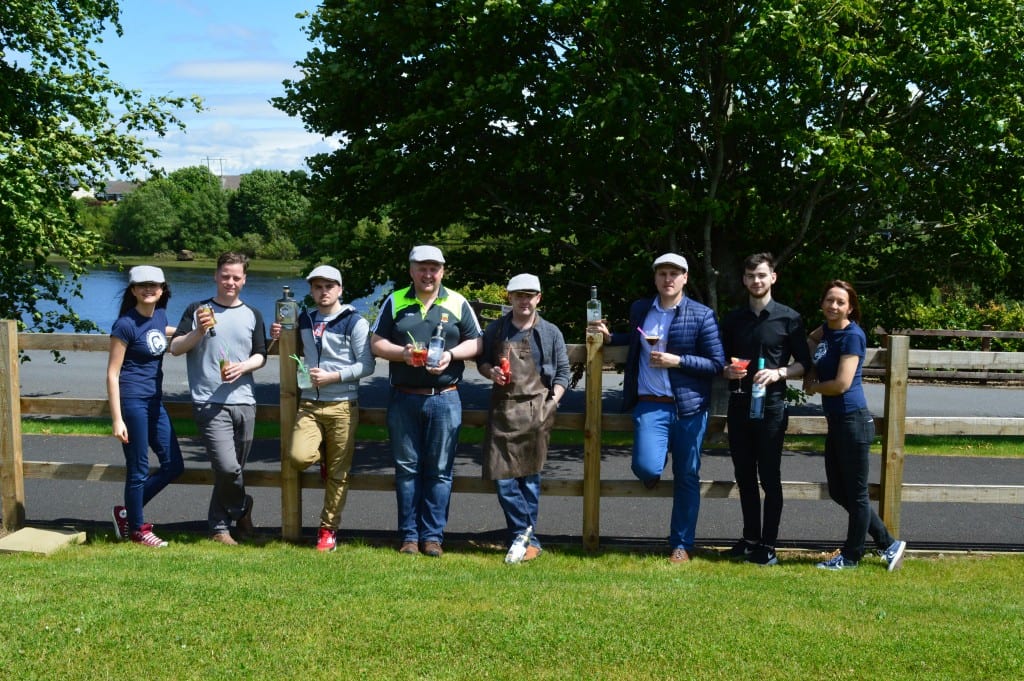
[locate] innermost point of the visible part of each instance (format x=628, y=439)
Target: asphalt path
x=641, y=519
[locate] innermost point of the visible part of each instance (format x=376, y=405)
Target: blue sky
x=232, y=53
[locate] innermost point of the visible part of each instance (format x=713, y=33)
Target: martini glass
x=741, y=365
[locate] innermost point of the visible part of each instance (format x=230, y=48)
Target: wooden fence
x=893, y=425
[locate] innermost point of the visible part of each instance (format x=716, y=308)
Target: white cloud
x=234, y=71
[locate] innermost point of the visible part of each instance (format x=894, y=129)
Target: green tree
x=273, y=205
x=63, y=123
x=201, y=205
x=147, y=219
x=579, y=139
x=185, y=210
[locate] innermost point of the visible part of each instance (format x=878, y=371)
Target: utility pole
x=221, y=160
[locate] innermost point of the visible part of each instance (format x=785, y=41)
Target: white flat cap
x=671, y=259
x=141, y=274
x=325, y=272
x=524, y=282
x=426, y=254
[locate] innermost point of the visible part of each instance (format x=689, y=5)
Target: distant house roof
x=115, y=190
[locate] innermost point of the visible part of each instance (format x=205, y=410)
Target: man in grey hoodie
x=336, y=350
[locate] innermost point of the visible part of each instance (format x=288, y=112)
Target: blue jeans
x=424, y=432
x=658, y=430
x=847, y=447
x=520, y=500
x=148, y=428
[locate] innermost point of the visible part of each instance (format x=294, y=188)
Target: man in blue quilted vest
x=674, y=353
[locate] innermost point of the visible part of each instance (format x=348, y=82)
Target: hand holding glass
x=739, y=365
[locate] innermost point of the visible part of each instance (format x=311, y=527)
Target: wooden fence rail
x=893, y=425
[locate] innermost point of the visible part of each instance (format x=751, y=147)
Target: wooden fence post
x=592, y=443
x=891, y=482
x=12, y=479
x=291, y=483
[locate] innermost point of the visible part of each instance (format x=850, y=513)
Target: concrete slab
x=44, y=541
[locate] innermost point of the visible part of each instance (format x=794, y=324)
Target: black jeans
x=846, y=469
x=756, y=450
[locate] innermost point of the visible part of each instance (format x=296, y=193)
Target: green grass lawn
x=1004, y=447
x=197, y=610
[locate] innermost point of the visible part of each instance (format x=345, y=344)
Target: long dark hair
x=850, y=291
x=128, y=300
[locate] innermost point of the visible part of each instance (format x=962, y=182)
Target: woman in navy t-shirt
x=838, y=358
x=135, y=391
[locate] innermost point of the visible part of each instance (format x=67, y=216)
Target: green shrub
x=959, y=308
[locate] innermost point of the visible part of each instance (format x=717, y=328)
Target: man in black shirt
x=765, y=329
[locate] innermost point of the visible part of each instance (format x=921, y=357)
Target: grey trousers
x=227, y=433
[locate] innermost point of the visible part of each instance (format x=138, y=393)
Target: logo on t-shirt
x=156, y=342
x=820, y=351
x=318, y=329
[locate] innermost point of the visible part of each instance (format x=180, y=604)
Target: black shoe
x=763, y=555
x=741, y=550
x=651, y=483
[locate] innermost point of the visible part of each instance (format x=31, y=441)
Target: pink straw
x=642, y=332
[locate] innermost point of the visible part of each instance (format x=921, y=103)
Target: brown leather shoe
x=223, y=538
x=679, y=556
x=410, y=547
x=531, y=552
x=432, y=549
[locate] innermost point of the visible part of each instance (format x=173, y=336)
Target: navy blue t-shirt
x=834, y=344
x=142, y=373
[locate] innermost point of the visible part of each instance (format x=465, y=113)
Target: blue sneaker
x=838, y=562
x=893, y=556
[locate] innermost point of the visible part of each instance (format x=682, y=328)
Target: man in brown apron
x=526, y=358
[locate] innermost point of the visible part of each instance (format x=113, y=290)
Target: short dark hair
x=854, y=301
x=755, y=259
x=233, y=258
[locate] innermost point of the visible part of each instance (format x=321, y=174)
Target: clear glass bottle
x=757, y=395
x=593, y=307
x=517, y=551
x=436, y=348
x=286, y=310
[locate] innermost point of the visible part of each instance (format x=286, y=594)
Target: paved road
x=639, y=519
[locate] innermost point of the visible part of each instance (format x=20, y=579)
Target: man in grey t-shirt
x=225, y=341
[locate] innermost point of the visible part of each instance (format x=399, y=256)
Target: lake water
x=102, y=290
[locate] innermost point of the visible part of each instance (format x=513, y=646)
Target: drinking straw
x=642, y=332
x=415, y=344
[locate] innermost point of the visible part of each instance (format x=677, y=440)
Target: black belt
x=410, y=390
x=656, y=398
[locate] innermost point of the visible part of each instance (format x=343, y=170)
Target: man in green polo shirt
x=424, y=410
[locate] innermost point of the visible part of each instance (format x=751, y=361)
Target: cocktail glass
x=741, y=365
x=419, y=356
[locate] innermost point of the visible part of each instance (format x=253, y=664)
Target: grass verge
x=201, y=611
x=997, y=447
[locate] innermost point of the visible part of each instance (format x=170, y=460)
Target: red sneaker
x=121, y=529
x=144, y=535
x=326, y=541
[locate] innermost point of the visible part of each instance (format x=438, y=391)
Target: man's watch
x=783, y=372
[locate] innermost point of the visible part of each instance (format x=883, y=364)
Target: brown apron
x=520, y=418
